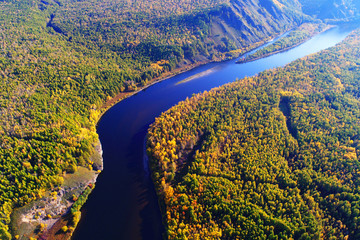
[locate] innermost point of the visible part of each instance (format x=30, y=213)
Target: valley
x=65, y=63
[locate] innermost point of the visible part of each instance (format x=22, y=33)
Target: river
x=123, y=204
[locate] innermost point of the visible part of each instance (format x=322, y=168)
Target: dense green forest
x=294, y=38
x=269, y=157
x=61, y=60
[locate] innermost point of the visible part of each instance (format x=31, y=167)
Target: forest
x=274, y=156
x=61, y=61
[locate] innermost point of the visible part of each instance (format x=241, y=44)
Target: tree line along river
x=124, y=204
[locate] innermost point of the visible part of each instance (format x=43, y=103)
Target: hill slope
x=197, y=27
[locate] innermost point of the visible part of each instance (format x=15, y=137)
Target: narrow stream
x=124, y=204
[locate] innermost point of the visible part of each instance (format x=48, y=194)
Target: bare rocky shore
x=45, y=218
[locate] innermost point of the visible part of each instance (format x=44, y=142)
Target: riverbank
x=135, y=215
x=186, y=67
x=206, y=195
x=122, y=95
x=38, y=223
x=294, y=39
x=45, y=217
x=225, y=57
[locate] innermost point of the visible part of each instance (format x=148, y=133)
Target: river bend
x=123, y=204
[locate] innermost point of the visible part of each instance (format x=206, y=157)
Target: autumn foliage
x=269, y=157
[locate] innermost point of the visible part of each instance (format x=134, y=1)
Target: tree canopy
x=269, y=157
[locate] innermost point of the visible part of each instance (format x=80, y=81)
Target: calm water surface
x=124, y=204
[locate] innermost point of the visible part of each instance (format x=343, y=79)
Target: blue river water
x=124, y=204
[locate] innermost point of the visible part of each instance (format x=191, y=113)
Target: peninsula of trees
x=274, y=156
x=291, y=40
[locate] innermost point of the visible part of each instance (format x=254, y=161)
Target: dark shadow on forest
x=285, y=108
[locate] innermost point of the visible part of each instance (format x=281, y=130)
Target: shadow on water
x=123, y=204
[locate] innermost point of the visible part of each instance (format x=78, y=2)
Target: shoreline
x=238, y=53
x=53, y=231
x=244, y=60
x=45, y=217
x=51, y=227
x=123, y=95
x=270, y=54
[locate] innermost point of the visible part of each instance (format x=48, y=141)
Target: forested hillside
x=173, y=30
x=60, y=61
x=269, y=157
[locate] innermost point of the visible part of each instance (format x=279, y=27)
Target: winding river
x=124, y=204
